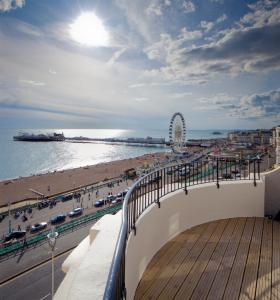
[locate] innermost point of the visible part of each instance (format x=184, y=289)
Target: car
x=111, y=198
x=117, y=200
x=119, y=195
x=38, y=226
x=76, y=212
x=17, y=214
x=99, y=203
x=67, y=197
x=58, y=219
x=77, y=195
x=227, y=176
x=15, y=235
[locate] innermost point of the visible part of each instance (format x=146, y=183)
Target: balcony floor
x=227, y=259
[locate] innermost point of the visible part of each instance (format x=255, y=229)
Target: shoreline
x=57, y=182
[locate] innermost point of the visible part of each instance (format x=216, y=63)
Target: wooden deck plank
x=169, y=270
x=197, y=270
x=220, y=281
x=206, y=280
x=204, y=249
x=163, y=256
x=248, y=288
x=263, y=290
x=275, y=292
x=227, y=259
x=235, y=279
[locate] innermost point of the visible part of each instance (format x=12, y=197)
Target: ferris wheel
x=177, y=132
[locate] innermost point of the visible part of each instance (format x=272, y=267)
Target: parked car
x=117, y=200
x=67, y=197
x=76, y=212
x=58, y=219
x=77, y=195
x=111, y=198
x=14, y=235
x=38, y=226
x=17, y=214
x=99, y=203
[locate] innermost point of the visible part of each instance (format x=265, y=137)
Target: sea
x=18, y=159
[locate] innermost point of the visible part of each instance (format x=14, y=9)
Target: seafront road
x=35, y=284
x=37, y=279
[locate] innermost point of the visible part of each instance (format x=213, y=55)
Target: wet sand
x=49, y=184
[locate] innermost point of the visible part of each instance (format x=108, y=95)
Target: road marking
x=31, y=269
x=46, y=296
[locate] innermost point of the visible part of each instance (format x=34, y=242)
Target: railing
x=149, y=190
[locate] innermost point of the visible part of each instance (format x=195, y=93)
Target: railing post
x=217, y=177
x=186, y=191
x=134, y=212
x=255, y=183
x=259, y=177
x=157, y=201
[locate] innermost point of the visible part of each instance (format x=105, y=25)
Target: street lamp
x=52, y=236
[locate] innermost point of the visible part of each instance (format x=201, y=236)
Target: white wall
x=89, y=264
x=179, y=212
x=272, y=192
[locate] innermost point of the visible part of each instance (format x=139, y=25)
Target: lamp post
x=52, y=236
x=10, y=222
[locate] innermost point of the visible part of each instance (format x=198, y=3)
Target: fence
x=41, y=237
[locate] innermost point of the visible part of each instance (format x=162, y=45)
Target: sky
x=215, y=61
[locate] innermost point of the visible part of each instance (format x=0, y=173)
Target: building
x=256, y=137
x=205, y=236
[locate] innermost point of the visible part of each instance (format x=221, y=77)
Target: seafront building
x=256, y=137
x=199, y=237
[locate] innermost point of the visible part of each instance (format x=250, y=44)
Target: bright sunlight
x=88, y=30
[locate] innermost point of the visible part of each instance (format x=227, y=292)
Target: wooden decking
x=227, y=259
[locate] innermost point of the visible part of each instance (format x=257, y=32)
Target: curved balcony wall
x=178, y=212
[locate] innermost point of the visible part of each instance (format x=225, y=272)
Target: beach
x=49, y=184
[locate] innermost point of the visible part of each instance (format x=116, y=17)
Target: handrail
x=149, y=189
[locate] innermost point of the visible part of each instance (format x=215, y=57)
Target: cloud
x=141, y=99
x=155, y=8
x=181, y=95
x=217, y=1
x=116, y=56
x=222, y=18
x=6, y=5
x=207, y=25
x=265, y=105
x=164, y=48
x=249, y=47
x=188, y=6
x=254, y=106
x=31, y=82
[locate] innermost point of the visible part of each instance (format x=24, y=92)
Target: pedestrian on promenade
x=19, y=228
x=25, y=243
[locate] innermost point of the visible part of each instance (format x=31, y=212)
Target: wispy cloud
x=188, y=6
x=6, y=5
x=31, y=82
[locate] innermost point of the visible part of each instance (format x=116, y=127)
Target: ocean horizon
x=20, y=159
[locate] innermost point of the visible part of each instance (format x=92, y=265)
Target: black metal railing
x=151, y=188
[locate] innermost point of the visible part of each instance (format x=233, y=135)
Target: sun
x=88, y=30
